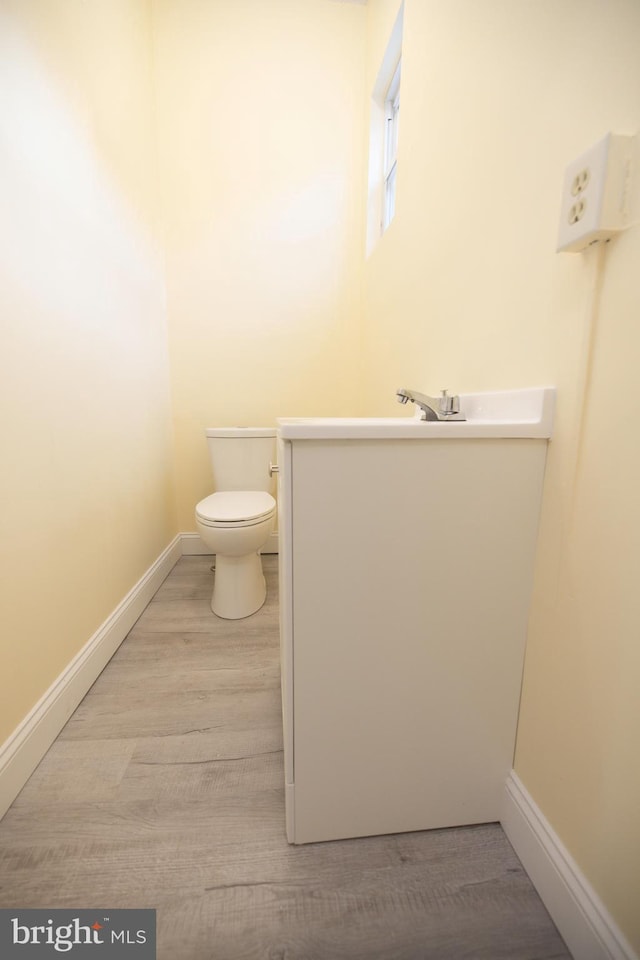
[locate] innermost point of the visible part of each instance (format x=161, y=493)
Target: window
x=383, y=139
x=391, y=118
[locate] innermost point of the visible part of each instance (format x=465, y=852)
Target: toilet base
x=239, y=587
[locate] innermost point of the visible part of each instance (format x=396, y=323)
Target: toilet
x=236, y=520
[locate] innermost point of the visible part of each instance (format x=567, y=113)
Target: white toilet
x=236, y=520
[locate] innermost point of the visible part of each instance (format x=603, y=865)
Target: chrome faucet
x=441, y=408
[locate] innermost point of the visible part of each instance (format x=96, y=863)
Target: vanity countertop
x=501, y=414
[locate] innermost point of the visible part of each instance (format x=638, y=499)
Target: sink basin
x=504, y=413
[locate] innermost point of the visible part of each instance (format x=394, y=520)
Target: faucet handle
x=448, y=405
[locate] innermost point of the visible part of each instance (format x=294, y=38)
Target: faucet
x=441, y=408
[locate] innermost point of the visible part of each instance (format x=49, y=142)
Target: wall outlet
x=596, y=197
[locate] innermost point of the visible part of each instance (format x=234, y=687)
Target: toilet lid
x=232, y=506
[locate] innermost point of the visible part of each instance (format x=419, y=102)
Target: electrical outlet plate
x=596, y=194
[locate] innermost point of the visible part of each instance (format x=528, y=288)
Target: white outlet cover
x=595, y=194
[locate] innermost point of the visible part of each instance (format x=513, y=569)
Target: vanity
x=406, y=564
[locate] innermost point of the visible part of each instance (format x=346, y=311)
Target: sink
x=503, y=413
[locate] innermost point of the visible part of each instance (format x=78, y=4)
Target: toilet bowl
x=235, y=523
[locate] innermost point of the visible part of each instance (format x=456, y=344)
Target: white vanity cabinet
x=406, y=569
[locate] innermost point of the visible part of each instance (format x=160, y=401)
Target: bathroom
x=184, y=189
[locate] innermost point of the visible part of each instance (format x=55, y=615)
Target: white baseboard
x=584, y=923
x=273, y=543
x=25, y=748
x=193, y=545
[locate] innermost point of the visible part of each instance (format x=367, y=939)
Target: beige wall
x=261, y=120
x=85, y=486
x=465, y=292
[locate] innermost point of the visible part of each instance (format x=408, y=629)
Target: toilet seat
x=235, y=508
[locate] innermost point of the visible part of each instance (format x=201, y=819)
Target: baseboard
x=584, y=923
x=25, y=748
x=193, y=545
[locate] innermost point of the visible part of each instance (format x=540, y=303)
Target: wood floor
x=165, y=790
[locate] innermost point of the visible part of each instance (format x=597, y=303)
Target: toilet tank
x=240, y=457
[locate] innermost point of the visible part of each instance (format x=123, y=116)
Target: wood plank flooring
x=165, y=790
